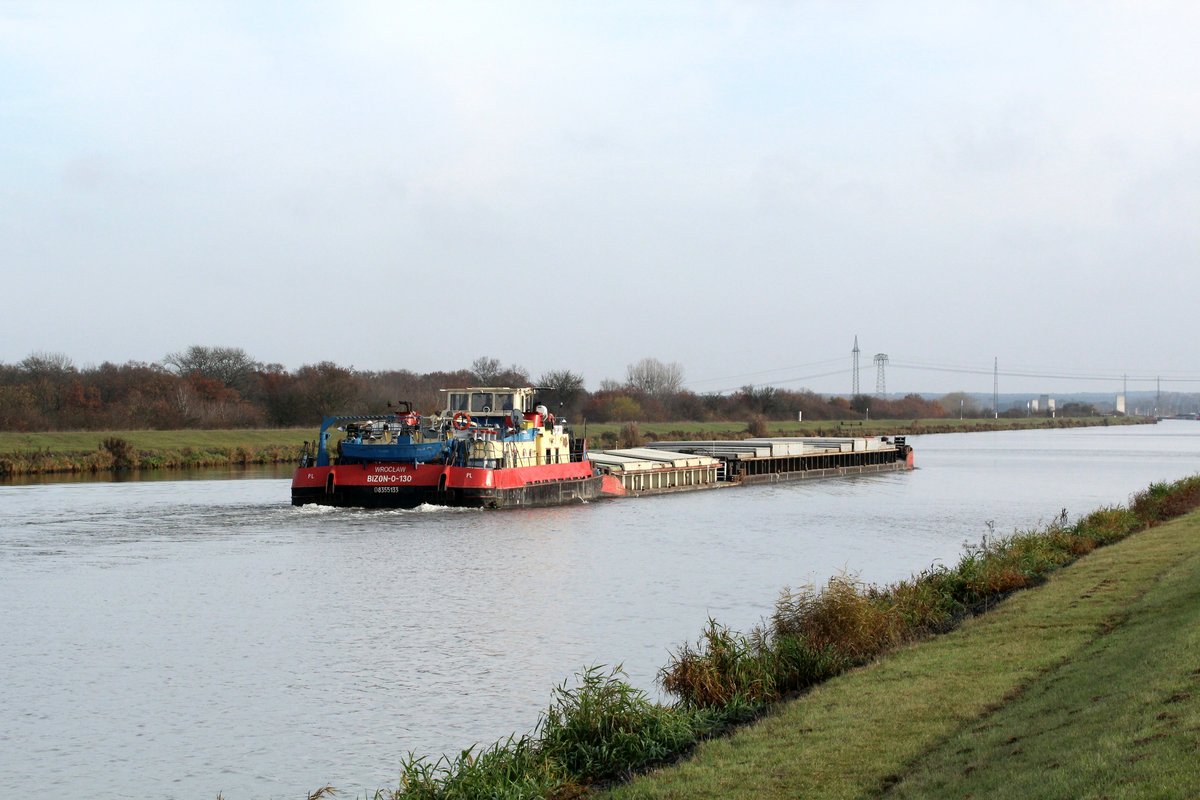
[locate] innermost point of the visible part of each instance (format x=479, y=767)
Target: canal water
x=180, y=638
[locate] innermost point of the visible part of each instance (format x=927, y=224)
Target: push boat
x=489, y=447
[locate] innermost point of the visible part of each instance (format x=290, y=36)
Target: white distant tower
x=881, y=361
x=854, y=391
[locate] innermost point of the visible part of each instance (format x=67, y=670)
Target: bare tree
x=489, y=372
x=655, y=378
x=41, y=364
x=486, y=370
x=231, y=366
x=563, y=389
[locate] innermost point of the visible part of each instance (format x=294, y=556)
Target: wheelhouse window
x=481, y=402
x=458, y=401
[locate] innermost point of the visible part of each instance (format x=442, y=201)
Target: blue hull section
x=400, y=451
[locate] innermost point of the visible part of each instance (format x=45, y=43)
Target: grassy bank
x=608, y=434
x=923, y=719
x=1086, y=687
x=102, y=451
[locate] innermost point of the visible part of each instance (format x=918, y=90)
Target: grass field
x=107, y=451
x=81, y=441
x=732, y=430
x=82, y=451
x=1088, y=686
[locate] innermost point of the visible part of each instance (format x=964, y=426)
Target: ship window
x=504, y=402
x=458, y=401
x=481, y=401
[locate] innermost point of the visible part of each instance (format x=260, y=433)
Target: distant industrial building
x=1042, y=404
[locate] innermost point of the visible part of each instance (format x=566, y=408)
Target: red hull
x=401, y=485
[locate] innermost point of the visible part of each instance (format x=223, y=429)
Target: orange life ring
x=411, y=420
x=462, y=421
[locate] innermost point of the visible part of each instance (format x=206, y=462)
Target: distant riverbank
x=610, y=433
x=120, y=451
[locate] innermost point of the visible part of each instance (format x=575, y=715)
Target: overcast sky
x=738, y=187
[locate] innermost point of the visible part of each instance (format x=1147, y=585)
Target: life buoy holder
x=461, y=421
x=411, y=419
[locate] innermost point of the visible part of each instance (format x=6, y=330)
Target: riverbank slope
x=107, y=451
x=1086, y=686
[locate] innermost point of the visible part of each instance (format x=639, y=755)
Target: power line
x=767, y=371
x=788, y=380
x=995, y=372
x=1072, y=376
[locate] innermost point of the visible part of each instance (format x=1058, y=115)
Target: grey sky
x=739, y=187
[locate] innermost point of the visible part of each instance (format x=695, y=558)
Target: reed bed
x=604, y=730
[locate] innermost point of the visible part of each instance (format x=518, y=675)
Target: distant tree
x=327, y=388
x=761, y=400
x=41, y=364
x=281, y=398
x=957, y=402
x=911, y=406
x=561, y=390
x=612, y=407
x=687, y=405
x=624, y=409
x=47, y=378
x=840, y=408
x=653, y=377
x=486, y=370
x=229, y=365
x=513, y=375
x=1076, y=409
x=18, y=409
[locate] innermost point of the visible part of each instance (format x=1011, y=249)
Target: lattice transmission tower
x=881, y=361
x=854, y=392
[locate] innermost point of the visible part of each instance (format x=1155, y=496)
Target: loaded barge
x=678, y=466
x=498, y=447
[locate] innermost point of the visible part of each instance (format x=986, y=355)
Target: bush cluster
x=605, y=730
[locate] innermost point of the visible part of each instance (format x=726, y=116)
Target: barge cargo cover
x=764, y=460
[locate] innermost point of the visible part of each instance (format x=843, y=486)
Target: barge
x=661, y=467
x=498, y=447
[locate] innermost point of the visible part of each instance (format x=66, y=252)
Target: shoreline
x=919, y=688
x=129, y=452
x=1080, y=686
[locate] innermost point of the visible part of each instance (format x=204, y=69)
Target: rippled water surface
x=179, y=638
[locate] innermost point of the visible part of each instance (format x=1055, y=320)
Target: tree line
x=224, y=387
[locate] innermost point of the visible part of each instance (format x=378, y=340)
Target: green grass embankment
x=1088, y=686
x=602, y=434
x=86, y=451
x=906, y=687
x=102, y=451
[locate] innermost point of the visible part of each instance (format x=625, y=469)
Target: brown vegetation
x=223, y=387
